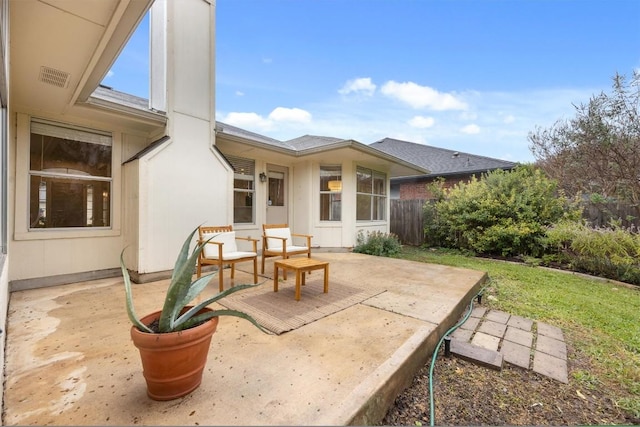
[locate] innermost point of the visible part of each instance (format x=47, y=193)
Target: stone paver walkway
x=522, y=342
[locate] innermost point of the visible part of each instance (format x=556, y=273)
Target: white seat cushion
x=229, y=246
x=275, y=244
x=237, y=255
x=296, y=248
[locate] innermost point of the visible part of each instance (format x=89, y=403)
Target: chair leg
x=233, y=270
x=220, y=278
x=255, y=270
x=199, y=269
x=262, y=263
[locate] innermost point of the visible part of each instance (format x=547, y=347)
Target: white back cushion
x=228, y=238
x=278, y=232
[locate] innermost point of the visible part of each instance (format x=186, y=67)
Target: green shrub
x=608, y=252
x=377, y=243
x=504, y=213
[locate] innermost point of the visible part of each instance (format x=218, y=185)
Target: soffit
x=76, y=41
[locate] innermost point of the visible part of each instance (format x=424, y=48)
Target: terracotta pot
x=173, y=362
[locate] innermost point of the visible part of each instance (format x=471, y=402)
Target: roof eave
x=146, y=116
x=350, y=143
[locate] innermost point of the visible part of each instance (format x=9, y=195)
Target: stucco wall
x=43, y=253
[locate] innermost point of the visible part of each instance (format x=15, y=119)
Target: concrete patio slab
x=550, y=331
x=520, y=323
x=70, y=360
x=483, y=340
x=552, y=347
x=516, y=354
x=550, y=366
x=493, y=328
x=519, y=336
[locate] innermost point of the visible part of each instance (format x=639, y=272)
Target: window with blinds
x=69, y=176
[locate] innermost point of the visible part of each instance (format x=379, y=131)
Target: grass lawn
x=600, y=319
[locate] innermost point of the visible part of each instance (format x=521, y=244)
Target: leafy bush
x=377, y=243
x=504, y=213
x=608, y=252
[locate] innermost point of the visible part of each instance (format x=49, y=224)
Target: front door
x=277, y=195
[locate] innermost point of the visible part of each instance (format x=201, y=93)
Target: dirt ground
x=469, y=394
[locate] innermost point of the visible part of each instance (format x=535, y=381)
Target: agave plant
x=181, y=292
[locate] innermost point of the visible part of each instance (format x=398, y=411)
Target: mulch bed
x=469, y=394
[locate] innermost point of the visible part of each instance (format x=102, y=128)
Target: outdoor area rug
x=279, y=311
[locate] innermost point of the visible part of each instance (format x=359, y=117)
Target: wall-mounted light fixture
x=263, y=177
x=335, y=185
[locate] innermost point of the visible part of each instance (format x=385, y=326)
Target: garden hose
x=435, y=354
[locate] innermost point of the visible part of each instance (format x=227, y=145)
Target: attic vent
x=54, y=77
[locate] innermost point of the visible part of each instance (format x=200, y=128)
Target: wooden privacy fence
x=407, y=221
x=601, y=214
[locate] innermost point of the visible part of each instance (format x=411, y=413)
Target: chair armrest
x=265, y=246
x=209, y=242
x=274, y=237
x=306, y=236
x=302, y=235
x=253, y=241
x=249, y=239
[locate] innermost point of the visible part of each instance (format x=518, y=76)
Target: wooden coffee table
x=300, y=266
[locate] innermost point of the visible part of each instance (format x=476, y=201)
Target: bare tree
x=598, y=151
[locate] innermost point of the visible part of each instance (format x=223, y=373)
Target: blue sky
x=468, y=75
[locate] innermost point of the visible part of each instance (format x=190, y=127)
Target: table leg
x=303, y=277
x=297, y=285
x=275, y=278
x=326, y=278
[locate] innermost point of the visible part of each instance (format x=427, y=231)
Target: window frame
x=238, y=163
x=335, y=196
x=376, y=194
x=72, y=134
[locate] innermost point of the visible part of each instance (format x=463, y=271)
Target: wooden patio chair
x=222, y=249
x=277, y=240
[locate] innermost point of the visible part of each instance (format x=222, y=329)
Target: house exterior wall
x=45, y=253
x=156, y=200
x=184, y=182
x=4, y=137
x=304, y=197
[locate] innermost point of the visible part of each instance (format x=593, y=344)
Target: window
x=69, y=177
x=371, y=195
x=243, y=189
x=276, y=188
x=330, y=193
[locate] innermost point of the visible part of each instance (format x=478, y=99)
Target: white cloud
x=297, y=115
x=267, y=60
x=110, y=73
x=471, y=129
x=247, y=121
x=468, y=115
x=509, y=119
x=421, y=122
x=279, y=119
x=337, y=117
x=360, y=85
x=422, y=96
x=239, y=93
